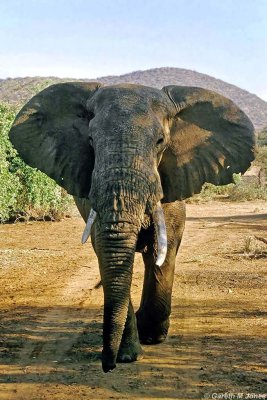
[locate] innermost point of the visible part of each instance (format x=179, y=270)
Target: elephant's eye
x=160, y=141
x=40, y=118
x=90, y=141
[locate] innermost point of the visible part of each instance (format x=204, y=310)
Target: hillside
x=17, y=91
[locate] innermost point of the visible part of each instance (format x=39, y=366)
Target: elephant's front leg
x=155, y=308
x=130, y=348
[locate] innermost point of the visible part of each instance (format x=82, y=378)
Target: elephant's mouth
x=128, y=195
x=160, y=228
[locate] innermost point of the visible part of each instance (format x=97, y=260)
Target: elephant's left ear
x=210, y=139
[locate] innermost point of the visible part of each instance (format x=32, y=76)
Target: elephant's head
x=125, y=148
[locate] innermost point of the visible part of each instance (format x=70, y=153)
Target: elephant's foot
x=150, y=331
x=130, y=351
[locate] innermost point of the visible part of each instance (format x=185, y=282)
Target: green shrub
x=210, y=192
x=262, y=137
x=24, y=191
x=261, y=157
x=240, y=190
x=247, y=192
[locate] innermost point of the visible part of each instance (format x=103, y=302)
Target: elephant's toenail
x=126, y=358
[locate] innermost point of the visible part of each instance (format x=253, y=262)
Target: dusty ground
x=51, y=314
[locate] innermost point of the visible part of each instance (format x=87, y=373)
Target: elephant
x=130, y=155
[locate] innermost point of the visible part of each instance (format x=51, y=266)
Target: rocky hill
x=17, y=91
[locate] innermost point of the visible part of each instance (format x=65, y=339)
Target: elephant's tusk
x=161, y=232
x=87, y=229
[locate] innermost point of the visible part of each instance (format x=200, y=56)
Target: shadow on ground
x=62, y=345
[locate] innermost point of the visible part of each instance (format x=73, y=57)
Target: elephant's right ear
x=51, y=133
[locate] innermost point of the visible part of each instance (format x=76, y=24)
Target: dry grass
x=254, y=247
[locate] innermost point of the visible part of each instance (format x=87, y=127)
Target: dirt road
x=51, y=315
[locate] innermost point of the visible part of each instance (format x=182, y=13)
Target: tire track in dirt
x=49, y=342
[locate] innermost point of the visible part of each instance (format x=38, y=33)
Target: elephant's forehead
x=129, y=96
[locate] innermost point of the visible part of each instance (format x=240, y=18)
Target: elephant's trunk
x=115, y=246
x=120, y=198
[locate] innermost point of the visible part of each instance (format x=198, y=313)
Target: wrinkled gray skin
x=120, y=150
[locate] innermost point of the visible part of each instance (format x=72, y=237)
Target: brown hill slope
x=17, y=91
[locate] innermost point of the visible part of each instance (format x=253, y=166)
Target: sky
x=226, y=39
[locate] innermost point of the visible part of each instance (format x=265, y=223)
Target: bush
x=261, y=158
x=211, y=192
x=262, y=137
x=25, y=192
x=237, y=191
x=247, y=192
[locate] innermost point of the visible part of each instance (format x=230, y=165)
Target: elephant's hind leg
x=155, y=308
